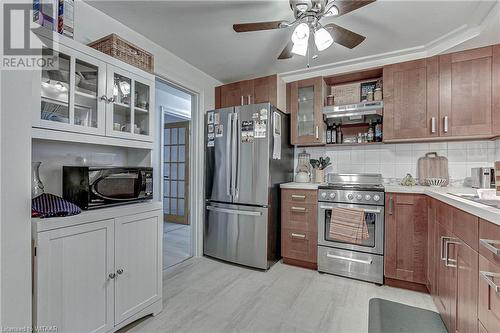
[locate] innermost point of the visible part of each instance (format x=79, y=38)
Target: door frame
x=196, y=153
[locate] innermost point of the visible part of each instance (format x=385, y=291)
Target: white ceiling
x=201, y=33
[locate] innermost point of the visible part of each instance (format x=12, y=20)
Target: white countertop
x=300, y=186
x=86, y=216
x=443, y=194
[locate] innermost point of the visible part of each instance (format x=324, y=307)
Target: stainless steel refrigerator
x=248, y=155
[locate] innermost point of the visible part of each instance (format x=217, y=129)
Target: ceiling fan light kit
x=308, y=14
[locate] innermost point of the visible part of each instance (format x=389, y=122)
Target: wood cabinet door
x=465, y=85
x=411, y=99
x=306, y=104
x=431, y=245
x=466, y=289
x=445, y=280
x=496, y=90
x=265, y=90
x=231, y=95
x=406, y=238
x=73, y=287
x=138, y=256
x=489, y=299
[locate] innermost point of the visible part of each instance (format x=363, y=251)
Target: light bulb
x=301, y=34
x=299, y=49
x=323, y=39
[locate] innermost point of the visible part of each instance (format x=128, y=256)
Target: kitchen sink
x=476, y=198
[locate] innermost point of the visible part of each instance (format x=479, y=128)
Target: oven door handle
x=375, y=211
x=366, y=262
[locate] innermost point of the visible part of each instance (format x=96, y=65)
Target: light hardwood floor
x=205, y=295
x=176, y=243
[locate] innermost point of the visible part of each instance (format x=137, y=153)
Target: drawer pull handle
x=447, y=259
x=298, y=235
x=488, y=244
x=299, y=197
x=366, y=262
x=299, y=209
x=488, y=276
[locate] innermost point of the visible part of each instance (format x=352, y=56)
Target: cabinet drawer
x=299, y=216
x=299, y=196
x=444, y=214
x=466, y=227
x=299, y=245
x=489, y=241
x=489, y=298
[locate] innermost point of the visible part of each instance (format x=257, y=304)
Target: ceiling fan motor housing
x=301, y=7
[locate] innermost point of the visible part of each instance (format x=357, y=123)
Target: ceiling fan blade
x=287, y=51
x=346, y=6
x=247, y=27
x=343, y=36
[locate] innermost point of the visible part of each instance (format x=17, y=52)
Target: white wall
x=394, y=161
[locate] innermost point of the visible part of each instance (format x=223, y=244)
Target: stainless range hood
x=354, y=110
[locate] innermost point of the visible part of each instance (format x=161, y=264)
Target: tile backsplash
x=396, y=160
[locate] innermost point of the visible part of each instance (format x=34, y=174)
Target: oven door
x=374, y=217
x=116, y=185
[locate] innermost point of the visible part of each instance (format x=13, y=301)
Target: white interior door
x=73, y=287
x=138, y=282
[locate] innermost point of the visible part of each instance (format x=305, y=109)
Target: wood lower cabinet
x=299, y=231
x=466, y=289
x=405, y=256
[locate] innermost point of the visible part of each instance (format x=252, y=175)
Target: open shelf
x=353, y=144
x=140, y=109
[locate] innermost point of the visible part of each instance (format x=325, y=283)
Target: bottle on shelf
x=370, y=137
x=378, y=131
x=339, y=135
x=328, y=133
x=334, y=133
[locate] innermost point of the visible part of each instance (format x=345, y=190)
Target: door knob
x=119, y=271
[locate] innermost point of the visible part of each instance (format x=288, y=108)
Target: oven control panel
x=352, y=196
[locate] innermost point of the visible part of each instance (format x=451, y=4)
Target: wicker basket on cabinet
x=119, y=48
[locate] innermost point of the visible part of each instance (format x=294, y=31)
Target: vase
x=36, y=183
x=319, y=176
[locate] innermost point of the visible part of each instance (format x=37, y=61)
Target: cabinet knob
x=111, y=100
x=119, y=271
x=112, y=275
x=104, y=98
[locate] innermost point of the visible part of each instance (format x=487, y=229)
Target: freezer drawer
x=237, y=233
x=357, y=265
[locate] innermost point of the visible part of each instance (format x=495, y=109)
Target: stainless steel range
x=356, y=258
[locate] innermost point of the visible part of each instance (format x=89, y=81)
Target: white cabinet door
x=130, y=111
x=71, y=92
x=138, y=244
x=73, y=288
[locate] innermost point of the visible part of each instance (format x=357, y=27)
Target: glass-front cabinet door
x=129, y=113
x=306, y=103
x=71, y=93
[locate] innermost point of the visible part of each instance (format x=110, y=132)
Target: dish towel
x=49, y=205
x=348, y=225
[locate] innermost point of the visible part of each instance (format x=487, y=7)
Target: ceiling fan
x=308, y=14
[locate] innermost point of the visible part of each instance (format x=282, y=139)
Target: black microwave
x=97, y=187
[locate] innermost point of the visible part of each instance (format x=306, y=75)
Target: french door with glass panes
x=176, y=172
x=129, y=114
x=70, y=93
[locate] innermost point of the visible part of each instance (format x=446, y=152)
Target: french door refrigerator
x=247, y=156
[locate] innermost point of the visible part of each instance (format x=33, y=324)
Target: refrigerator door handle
x=234, y=211
x=228, y=161
x=235, y=155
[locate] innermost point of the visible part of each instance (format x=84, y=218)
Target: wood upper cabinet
x=411, y=98
x=306, y=108
x=299, y=227
x=465, y=97
x=405, y=256
x=496, y=90
x=268, y=89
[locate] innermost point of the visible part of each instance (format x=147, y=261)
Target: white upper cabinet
x=91, y=93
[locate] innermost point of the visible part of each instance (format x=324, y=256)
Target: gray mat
x=388, y=317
